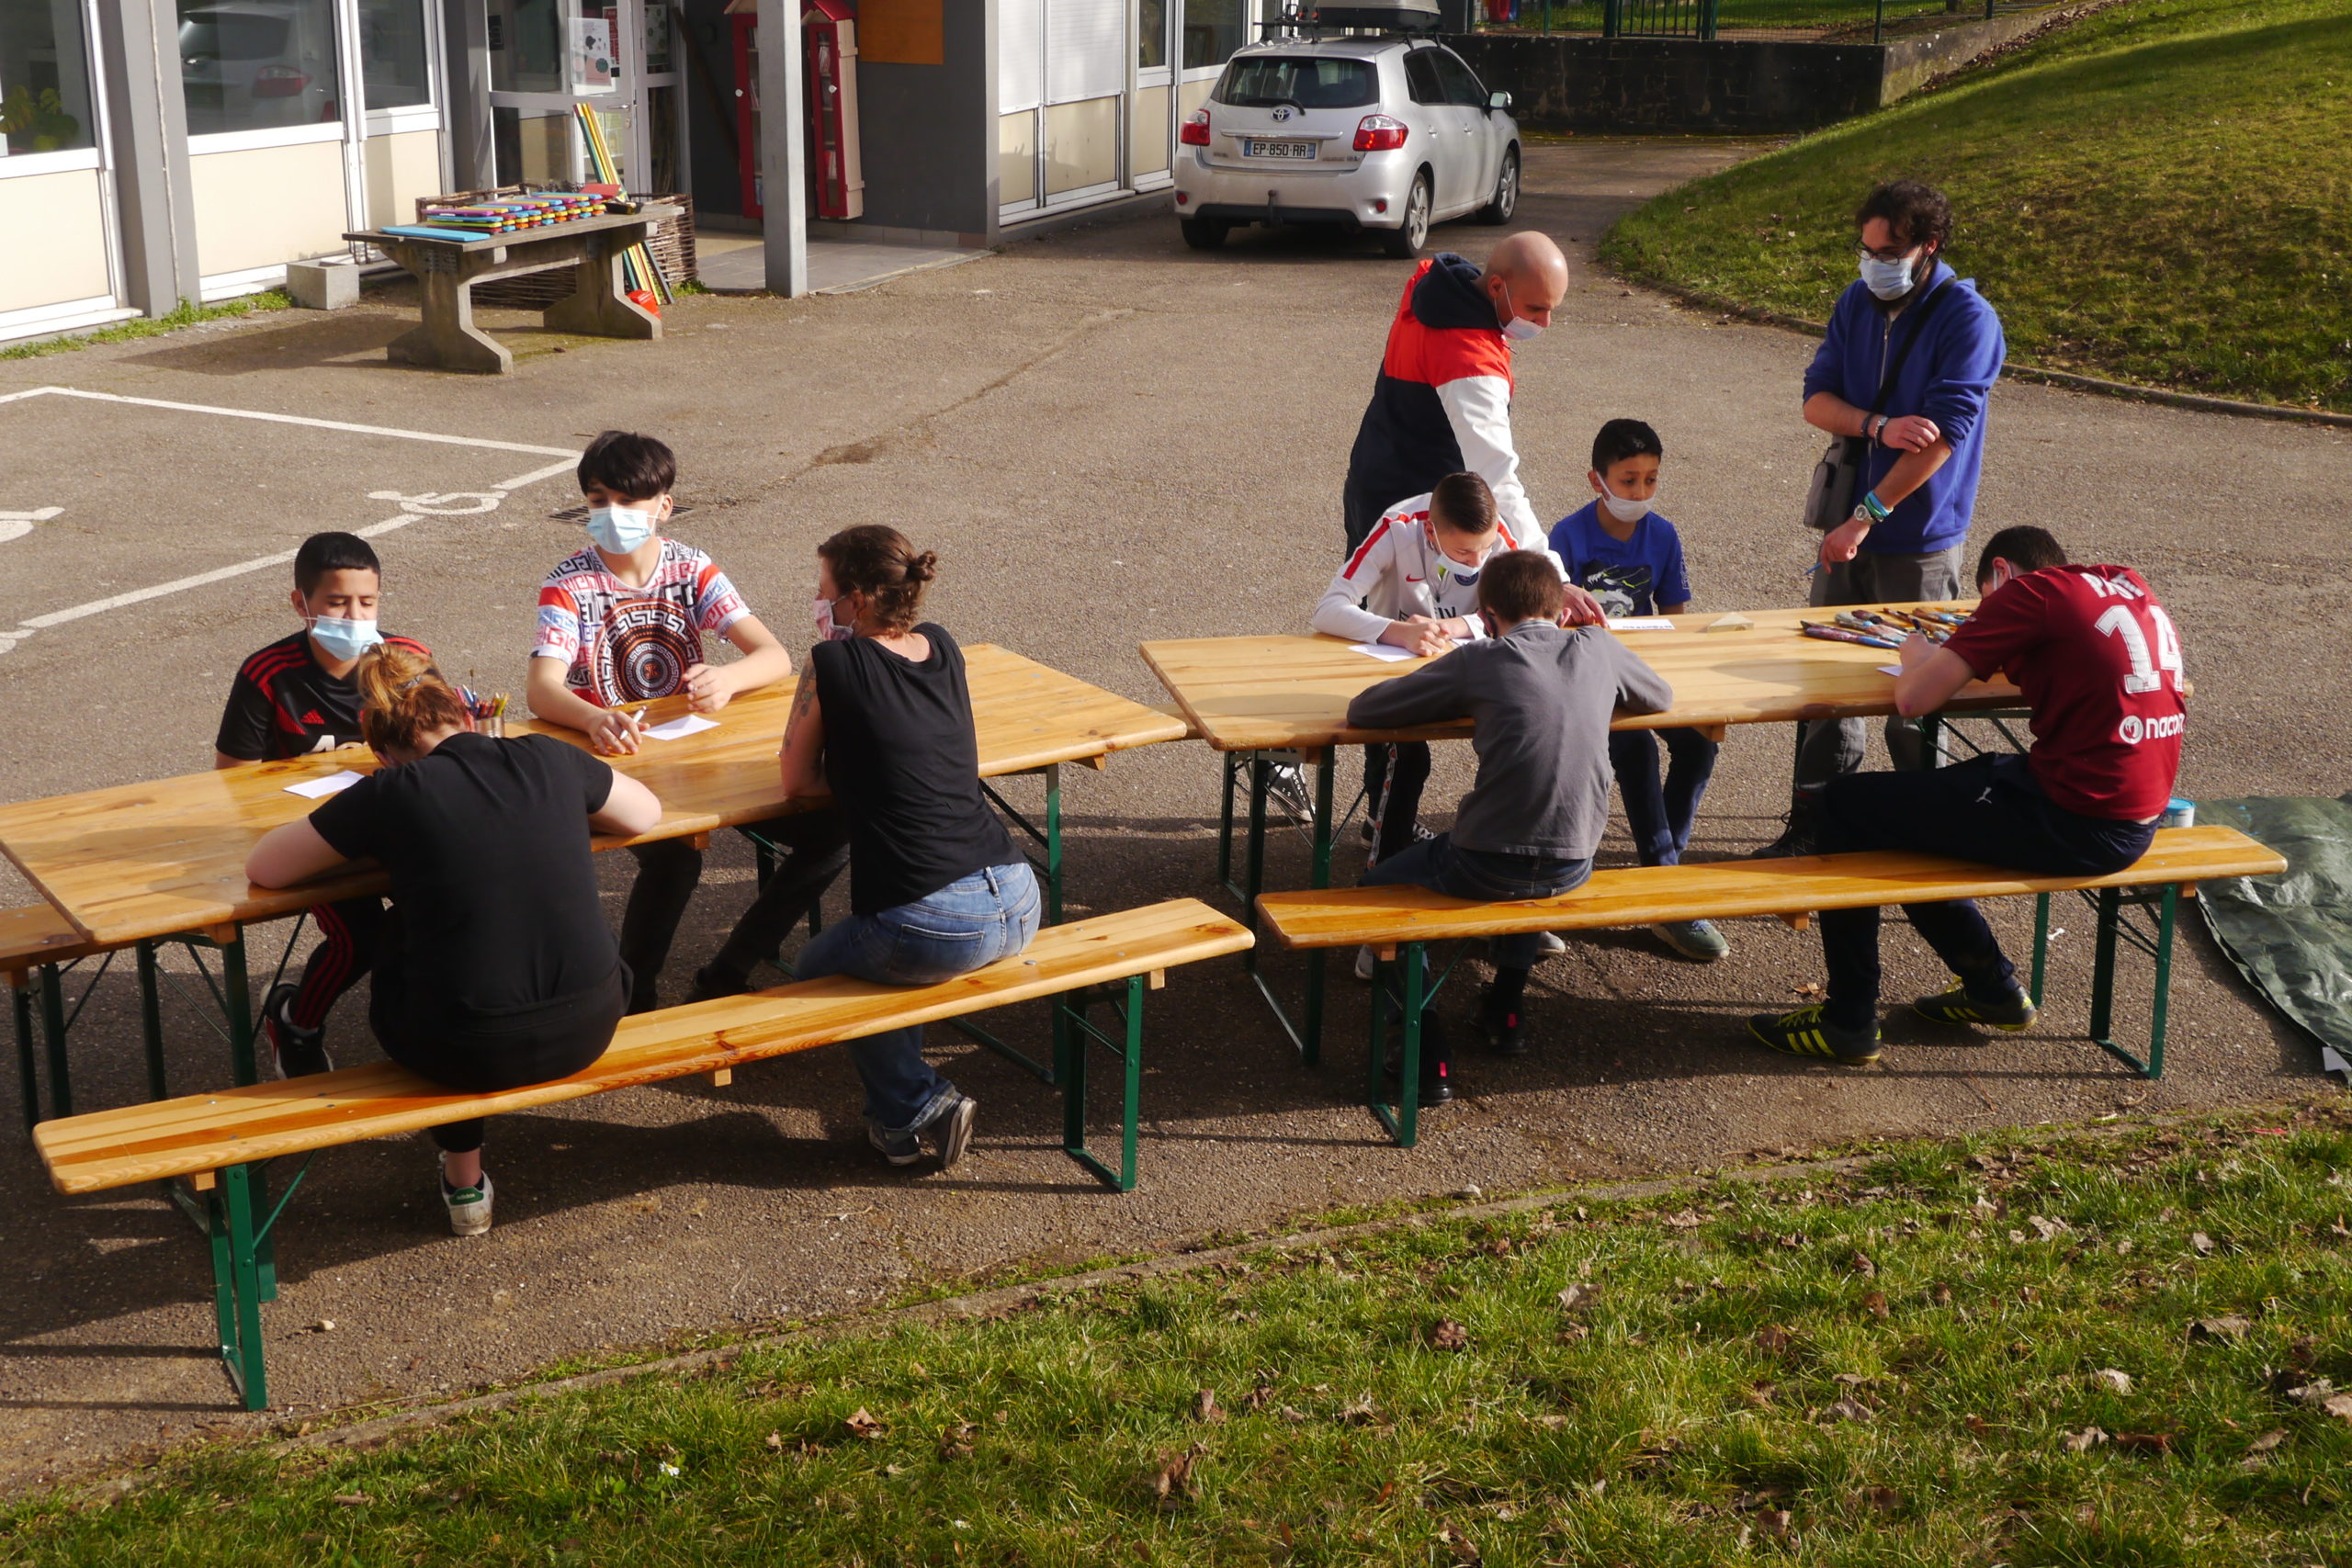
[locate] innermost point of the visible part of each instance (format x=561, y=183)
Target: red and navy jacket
x=1442, y=404
x=284, y=702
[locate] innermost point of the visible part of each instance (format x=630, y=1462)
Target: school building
x=156, y=150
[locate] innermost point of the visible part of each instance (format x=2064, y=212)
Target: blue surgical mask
x=344, y=640
x=620, y=529
x=1887, y=279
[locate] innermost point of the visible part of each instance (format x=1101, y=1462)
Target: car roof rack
x=1381, y=17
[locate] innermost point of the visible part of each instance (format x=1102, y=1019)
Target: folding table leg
x=53, y=1028
x=2111, y=905
x=150, y=1025
x=1310, y=1045
x=237, y=1286
x=2041, y=944
x=1403, y=1125
x=20, y=999
x=2167, y=916
x=1226, y=763
x=1071, y=1050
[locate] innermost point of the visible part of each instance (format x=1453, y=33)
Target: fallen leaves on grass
x=2088, y=1438
x=1875, y=1304
x=1847, y=1410
x=2114, y=1379
x=2229, y=1325
x=956, y=1442
x=1686, y=1219
x=1577, y=1297
x=1774, y=1340
x=1174, y=1482
x=2144, y=1443
x=775, y=1442
x=2268, y=1441
x=2202, y=1243
x=1449, y=1336
x=862, y=1423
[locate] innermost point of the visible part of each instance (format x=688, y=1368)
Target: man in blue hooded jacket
x=1925, y=447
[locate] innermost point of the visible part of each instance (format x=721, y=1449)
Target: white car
x=1388, y=134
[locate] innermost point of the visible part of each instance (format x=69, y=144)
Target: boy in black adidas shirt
x=297, y=697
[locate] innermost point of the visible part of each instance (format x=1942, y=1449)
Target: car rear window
x=1310, y=82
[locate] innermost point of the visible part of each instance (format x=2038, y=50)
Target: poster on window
x=592, y=54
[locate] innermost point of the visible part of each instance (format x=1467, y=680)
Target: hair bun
x=923, y=567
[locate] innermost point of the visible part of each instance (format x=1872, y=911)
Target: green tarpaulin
x=2292, y=934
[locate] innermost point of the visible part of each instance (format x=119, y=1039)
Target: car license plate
x=1255, y=149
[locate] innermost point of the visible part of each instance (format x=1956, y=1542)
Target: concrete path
x=1107, y=437
x=737, y=264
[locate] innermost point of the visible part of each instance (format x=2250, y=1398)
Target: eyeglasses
x=1890, y=256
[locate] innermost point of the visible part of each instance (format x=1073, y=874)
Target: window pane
x=1262, y=81
x=656, y=16
x=1421, y=79
x=257, y=65
x=1151, y=34
x=1212, y=30
x=44, y=78
x=527, y=44
x=391, y=53
x=1460, y=84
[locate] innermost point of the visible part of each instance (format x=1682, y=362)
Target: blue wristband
x=1876, y=508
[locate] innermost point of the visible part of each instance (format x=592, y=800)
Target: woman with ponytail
x=497, y=969
x=882, y=722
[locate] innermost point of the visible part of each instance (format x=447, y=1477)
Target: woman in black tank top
x=882, y=722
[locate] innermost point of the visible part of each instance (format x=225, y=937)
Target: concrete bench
x=1396, y=921
x=218, y=1140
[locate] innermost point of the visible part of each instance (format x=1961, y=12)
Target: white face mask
x=828, y=628
x=1518, y=329
x=1887, y=279
x=1624, y=510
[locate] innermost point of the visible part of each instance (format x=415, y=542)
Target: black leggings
x=537, y=1044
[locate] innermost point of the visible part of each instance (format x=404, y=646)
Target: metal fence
x=1829, y=21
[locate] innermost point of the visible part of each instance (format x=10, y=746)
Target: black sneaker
x=949, y=1130
x=1505, y=1028
x=1801, y=835
x=1437, y=1077
x=1955, y=1006
x=711, y=983
x=1286, y=782
x=1806, y=1032
x=295, y=1052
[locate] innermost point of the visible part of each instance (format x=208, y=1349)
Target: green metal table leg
x=53, y=1028
x=1224, y=763
x=20, y=1001
x=1053, y=844
x=1070, y=1063
x=1310, y=1045
x=1069, y=1070
x=2110, y=902
x=241, y=1347
x=150, y=1025
x=1403, y=1124
x=1131, y=1098
x=2040, y=945
x=238, y=1003
x=1931, y=740
x=2166, y=920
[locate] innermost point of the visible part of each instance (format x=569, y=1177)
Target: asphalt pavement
x=1108, y=438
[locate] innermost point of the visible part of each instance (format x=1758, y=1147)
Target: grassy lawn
x=2162, y=194
x=2104, y=1350
x=186, y=315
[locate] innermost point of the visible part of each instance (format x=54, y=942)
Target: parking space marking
x=456, y=503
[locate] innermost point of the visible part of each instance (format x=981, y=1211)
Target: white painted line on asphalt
x=536, y=474
x=299, y=419
x=137, y=596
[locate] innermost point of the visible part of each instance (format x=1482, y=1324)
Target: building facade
x=157, y=150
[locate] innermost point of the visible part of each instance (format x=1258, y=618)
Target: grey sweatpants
x=1828, y=748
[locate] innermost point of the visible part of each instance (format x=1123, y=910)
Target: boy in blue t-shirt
x=1630, y=558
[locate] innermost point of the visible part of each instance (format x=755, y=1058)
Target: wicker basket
x=672, y=242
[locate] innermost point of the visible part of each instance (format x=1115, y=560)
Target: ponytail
x=877, y=561
x=403, y=699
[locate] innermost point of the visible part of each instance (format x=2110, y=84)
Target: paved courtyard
x=1108, y=438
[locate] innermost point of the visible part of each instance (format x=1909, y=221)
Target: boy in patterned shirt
x=291, y=698
x=623, y=622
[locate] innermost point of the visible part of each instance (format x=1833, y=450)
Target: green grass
x=187, y=315
x=2161, y=193
x=1883, y=1370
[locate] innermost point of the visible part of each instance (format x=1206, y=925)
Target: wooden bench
x=218, y=1140
x=1392, y=920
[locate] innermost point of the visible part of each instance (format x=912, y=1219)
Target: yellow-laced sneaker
x=1954, y=1005
x=1805, y=1033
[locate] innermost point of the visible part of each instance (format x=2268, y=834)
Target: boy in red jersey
x=297, y=697
x=2099, y=663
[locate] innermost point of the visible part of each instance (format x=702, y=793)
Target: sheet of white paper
x=1890, y=669
x=1381, y=651
x=334, y=784
x=680, y=727
x=1640, y=623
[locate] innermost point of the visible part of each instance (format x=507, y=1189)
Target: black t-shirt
x=493, y=888
x=284, y=702
x=905, y=769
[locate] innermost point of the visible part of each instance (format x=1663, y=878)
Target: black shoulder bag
x=1837, y=478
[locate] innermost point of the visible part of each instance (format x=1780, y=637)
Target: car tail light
x=1379, y=133
x=278, y=82
x=1194, y=132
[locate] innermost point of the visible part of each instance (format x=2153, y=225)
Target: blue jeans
x=1488, y=878
x=969, y=923
x=1659, y=815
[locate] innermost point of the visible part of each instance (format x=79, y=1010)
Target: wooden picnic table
x=447, y=271
x=1263, y=701
x=139, y=863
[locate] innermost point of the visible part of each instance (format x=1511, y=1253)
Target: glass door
x=617, y=57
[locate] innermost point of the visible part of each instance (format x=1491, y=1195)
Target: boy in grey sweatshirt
x=1539, y=696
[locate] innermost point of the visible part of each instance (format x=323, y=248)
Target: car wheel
x=1404, y=242
x=1505, y=201
x=1205, y=233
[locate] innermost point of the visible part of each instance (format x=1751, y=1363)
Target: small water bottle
x=2178, y=813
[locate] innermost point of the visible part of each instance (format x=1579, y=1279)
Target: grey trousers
x=1828, y=748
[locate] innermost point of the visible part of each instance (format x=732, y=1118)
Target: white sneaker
x=1365, y=962
x=1549, y=945
x=469, y=1206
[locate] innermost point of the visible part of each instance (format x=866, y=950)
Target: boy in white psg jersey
x=622, y=622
